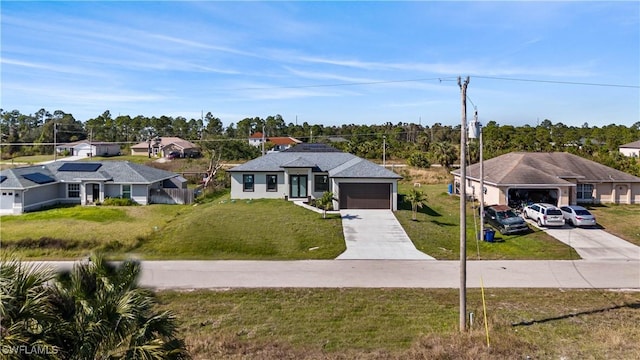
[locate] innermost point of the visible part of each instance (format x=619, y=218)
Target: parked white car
x=578, y=216
x=544, y=214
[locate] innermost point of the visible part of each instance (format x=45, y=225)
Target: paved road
x=376, y=234
x=603, y=274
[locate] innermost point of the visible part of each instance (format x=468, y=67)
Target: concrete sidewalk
x=386, y=274
x=376, y=234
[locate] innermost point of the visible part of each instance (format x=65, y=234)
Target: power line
x=558, y=82
x=441, y=79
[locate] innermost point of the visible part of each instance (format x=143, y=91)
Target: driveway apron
x=595, y=244
x=376, y=234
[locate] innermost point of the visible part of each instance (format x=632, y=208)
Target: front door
x=298, y=186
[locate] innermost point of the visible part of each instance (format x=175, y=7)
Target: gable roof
x=166, y=141
x=93, y=143
x=122, y=172
x=525, y=168
x=338, y=164
x=632, y=145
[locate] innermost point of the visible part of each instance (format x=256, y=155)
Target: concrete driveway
x=376, y=234
x=594, y=243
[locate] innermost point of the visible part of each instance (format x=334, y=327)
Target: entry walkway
x=376, y=234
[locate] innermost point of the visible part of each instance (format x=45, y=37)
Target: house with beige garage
x=307, y=171
x=558, y=178
x=166, y=146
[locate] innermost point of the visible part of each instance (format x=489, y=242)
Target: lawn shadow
x=425, y=209
x=439, y=223
x=635, y=305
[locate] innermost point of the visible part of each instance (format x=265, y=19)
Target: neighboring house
x=30, y=188
x=85, y=148
x=306, y=171
x=280, y=143
x=558, y=178
x=163, y=146
x=631, y=149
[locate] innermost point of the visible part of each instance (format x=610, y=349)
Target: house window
x=585, y=191
x=126, y=191
x=247, y=181
x=272, y=182
x=73, y=190
x=321, y=183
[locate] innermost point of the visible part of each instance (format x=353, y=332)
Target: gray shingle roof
x=523, y=168
x=122, y=172
x=632, y=145
x=337, y=164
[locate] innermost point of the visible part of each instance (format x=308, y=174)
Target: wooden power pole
x=463, y=206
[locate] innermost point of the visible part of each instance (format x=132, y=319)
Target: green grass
x=131, y=158
x=406, y=323
x=248, y=229
x=32, y=159
x=620, y=220
x=437, y=232
x=71, y=232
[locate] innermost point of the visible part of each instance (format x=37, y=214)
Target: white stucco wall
x=630, y=152
x=259, y=186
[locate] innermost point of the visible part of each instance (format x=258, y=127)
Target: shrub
x=119, y=202
x=418, y=159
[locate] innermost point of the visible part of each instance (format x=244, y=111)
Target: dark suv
x=504, y=219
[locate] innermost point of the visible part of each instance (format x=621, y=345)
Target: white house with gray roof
x=306, y=171
x=30, y=188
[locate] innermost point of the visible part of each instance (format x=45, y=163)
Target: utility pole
x=263, y=140
x=384, y=150
x=463, y=207
x=55, y=145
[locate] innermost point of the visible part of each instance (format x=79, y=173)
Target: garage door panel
x=365, y=196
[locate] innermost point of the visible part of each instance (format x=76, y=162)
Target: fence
x=171, y=196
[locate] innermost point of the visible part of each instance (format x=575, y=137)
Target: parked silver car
x=544, y=214
x=577, y=216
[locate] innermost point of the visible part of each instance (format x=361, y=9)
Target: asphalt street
x=595, y=274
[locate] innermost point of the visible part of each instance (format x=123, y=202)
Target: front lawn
x=620, y=220
x=75, y=231
x=437, y=232
x=406, y=324
x=248, y=229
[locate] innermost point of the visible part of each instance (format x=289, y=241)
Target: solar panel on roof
x=80, y=166
x=2, y=178
x=39, y=178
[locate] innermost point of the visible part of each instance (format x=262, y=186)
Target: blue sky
x=325, y=63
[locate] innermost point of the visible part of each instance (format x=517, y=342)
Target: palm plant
x=325, y=203
x=105, y=315
x=417, y=199
x=94, y=311
x=27, y=317
x=444, y=153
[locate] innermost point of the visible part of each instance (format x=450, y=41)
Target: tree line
x=420, y=145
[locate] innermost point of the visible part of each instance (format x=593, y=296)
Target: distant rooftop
x=305, y=147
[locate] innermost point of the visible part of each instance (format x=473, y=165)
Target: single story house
x=86, y=148
x=163, y=146
x=631, y=149
x=30, y=188
x=280, y=143
x=558, y=178
x=306, y=171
